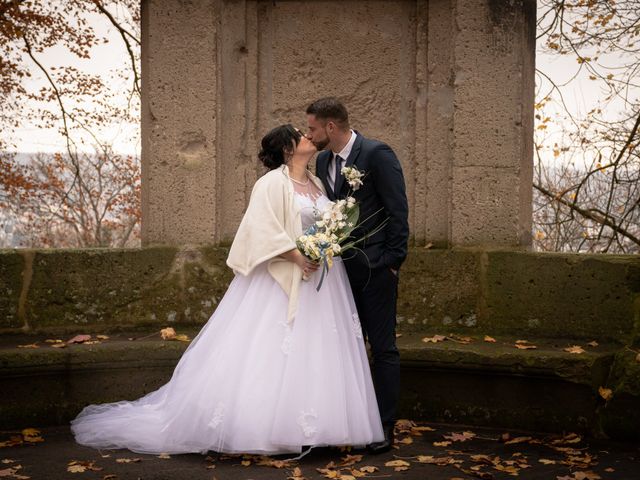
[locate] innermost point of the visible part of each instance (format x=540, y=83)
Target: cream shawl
x=270, y=227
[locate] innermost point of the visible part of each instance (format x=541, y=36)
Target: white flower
x=353, y=177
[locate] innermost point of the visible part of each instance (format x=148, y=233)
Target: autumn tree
x=586, y=180
x=83, y=106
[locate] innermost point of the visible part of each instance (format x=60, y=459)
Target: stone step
x=477, y=383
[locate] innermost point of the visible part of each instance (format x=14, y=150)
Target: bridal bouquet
x=330, y=235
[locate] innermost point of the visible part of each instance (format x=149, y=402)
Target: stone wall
x=465, y=290
x=447, y=83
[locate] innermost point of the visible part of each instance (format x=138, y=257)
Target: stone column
x=179, y=121
x=493, y=95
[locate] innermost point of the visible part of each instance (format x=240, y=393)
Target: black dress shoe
x=385, y=445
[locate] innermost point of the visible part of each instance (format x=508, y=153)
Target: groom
x=373, y=270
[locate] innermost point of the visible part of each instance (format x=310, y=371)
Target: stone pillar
x=179, y=121
x=493, y=96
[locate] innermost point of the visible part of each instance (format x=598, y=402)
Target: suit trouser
x=376, y=292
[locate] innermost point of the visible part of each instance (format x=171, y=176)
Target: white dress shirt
x=344, y=154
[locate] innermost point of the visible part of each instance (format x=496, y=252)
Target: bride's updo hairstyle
x=276, y=143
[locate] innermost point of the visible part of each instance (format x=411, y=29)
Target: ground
x=423, y=451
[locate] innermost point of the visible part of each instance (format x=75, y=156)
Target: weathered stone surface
x=179, y=121
x=447, y=83
x=585, y=296
x=98, y=289
x=439, y=291
x=11, y=283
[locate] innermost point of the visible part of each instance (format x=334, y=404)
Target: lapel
x=353, y=156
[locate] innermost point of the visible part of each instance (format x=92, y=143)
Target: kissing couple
x=281, y=365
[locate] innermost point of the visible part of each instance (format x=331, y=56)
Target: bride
x=279, y=365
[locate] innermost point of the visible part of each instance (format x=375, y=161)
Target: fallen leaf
x=460, y=437
x=515, y=440
x=182, y=338
x=59, y=345
x=609, y=470
x=586, y=476
x=8, y=460
x=489, y=339
x=577, y=349
x=31, y=435
x=397, y=463
x=593, y=344
x=167, y=333
x=434, y=339
x=398, y=335
x=422, y=429
x=296, y=474
x=605, y=393
x=524, y=345
x=50, y=340
x=546, y=461
x=369, y=469
x=164, y=456
x=102, y=337
x=245, y=463
x=128, y=460
x=441, y=444
x=349, y=460
x=79, y=339
x=405, y=441
x=76, y=468
x=110, y=476
x=441, y=461
x=29, y=345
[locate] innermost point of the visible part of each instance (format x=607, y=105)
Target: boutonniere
x=353, y=177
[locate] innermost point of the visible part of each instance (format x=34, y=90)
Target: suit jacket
x=383, y=191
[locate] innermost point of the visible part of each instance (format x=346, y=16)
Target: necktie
x=337, y=173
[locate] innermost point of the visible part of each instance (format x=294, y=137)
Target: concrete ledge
x=482, y=384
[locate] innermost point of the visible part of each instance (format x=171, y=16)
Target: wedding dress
x=250, y=382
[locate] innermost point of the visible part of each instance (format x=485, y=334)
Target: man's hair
x=330, y=108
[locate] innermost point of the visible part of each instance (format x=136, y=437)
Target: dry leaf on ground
x=593, y=344
x=489, y=339
x=31, y=435
x=441, y=444
x=576, y=349
x=434, y=339
x=128, y=460
x=605, y=393
x=524, y=345
x=517, y=440
x=460, y=437
x=79, y=339
x=29, y=345
x=167, y=333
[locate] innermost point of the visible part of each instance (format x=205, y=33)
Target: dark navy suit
x=374, y=285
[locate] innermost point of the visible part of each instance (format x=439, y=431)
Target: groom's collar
x=346, y=151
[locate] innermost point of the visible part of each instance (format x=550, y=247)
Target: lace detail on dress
x=218, y=416
x=303, y=420
x=310, y=208
x=356, y=326
x=287, y=341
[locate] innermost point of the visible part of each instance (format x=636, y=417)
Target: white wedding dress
x=251, y=383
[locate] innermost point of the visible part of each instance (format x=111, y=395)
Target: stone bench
x=551, y=300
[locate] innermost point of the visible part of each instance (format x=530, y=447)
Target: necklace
x=299, y=182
